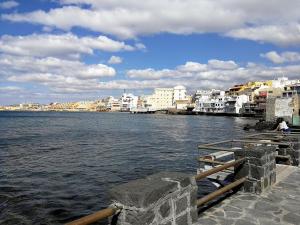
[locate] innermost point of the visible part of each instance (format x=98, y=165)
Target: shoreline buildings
x=269, y=99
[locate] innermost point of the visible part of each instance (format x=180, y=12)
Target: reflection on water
x=59, y=166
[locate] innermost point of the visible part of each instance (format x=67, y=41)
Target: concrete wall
x=279, y=107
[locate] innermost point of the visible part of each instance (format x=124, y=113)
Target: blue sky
x=70, y=50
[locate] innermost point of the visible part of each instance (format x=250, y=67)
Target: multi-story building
x=179, y=93
x=112, y=104
x=162, y=98
x=166, y=98
x=210, y=101
x=128, y=102
x=234, y=104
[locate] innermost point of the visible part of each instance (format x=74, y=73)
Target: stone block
x=167, y=223
x=272, y=157
x=143, y=192
x=193, y=197
x=139, y=218
x=282, y=151
x=249, y=186
x=259, y=187
x=242, y=170
x=181, y=204
x=183, y=179
x=182, y=220
x=194, y=215
x=266, y=182
x=258, y=161
x=150, y=201
x=273, y=163
x=273, y=177
x=165, y=209
x=255, y=186
x=257, y=172
x=271, y=166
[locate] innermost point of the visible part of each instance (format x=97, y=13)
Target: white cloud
x=284, y=57
x=270, y=21
x=64, y=46
x=140, y=46
x=150, y=74
x=216, y=73
x=8, y=4
x=47, y=29
x=192, y=67
x=282, y=35
x=219, y=64
x=115, y=60
x=10, y=89
x=17, y=66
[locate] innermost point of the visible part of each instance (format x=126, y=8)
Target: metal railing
x=100, y=215
x=217, y=193
x=212, y=146
x=220, y=191
x=218, y=169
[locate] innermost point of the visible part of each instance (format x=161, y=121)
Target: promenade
x=278, y=205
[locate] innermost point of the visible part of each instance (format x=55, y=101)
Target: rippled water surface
x=55, y=167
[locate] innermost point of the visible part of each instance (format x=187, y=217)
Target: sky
x=71, y=50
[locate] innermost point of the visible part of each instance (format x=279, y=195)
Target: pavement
x=279, y=205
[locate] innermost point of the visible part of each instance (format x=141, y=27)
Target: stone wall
x=293, y=151
x=165, y=198
x=259, y=167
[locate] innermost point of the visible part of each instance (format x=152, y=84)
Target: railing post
x=166, y=198
x=259, y=167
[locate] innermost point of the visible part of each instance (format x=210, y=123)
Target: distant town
x=271, y=98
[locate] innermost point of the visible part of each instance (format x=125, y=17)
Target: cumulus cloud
x=8, y=4
x=284, y=57
x=192, y=67
x=63, y=46
x=212, y=70
x=248, y=19
x=10, y=89
x=149, y=73
x=216, y=73
x=115, y=60
x=17, y=66
x=219, y=64
x=282, y=35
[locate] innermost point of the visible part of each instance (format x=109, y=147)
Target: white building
x=234, y=104
x=210, y=101
x=128, y=102
x=179, y=93
x=283, y=81
x=112, y=104
x=165, y=98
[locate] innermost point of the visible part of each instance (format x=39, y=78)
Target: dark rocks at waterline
x=261, y=125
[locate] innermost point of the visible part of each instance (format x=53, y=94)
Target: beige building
x=166, y=98
x=161, y=99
